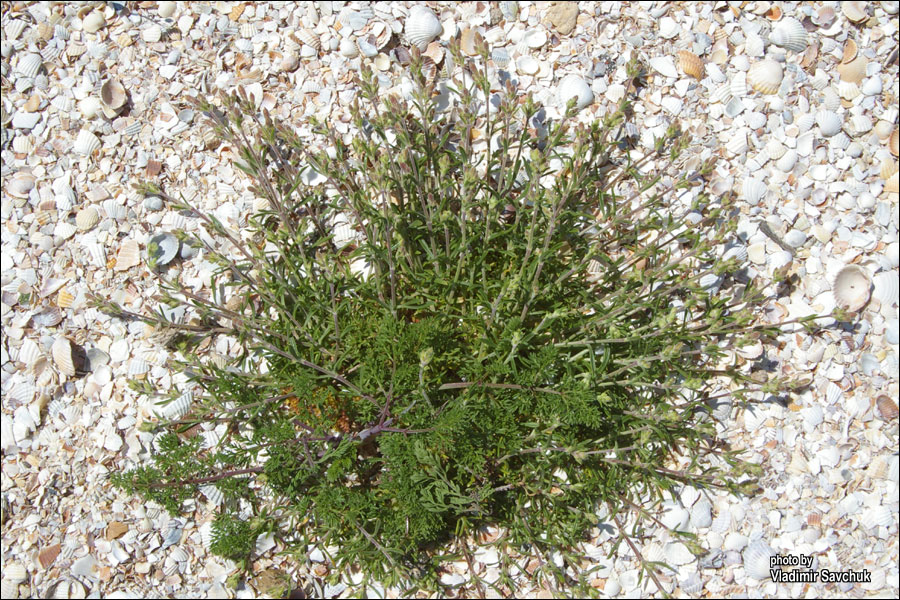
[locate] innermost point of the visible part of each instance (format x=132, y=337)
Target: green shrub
x=439, y=336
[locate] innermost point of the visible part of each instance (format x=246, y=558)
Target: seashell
x=851, y=288
x=128, y=255
x=422, y=26
x=573, y=86
x=64, y=230
x=853, y=71
x=86, y=143
x=14, y=29
x=152, y=34
x=756, y=560
x=664, y=65
x=20, y=185
x=765, y=76
x=86, y=218
x=888, y=169
x=754, y=46
x=887, y=287
x=162, y=249
x=855, y=11
x=829, y=122
x=309, y=38
x=93, y=22
x=737, y=145
x=887, y=408
x=22, y=144
x=692, y=585
x=786, y=163
x=709, y=281
x=177, y=408
x=892, y=184
x=213, y=494
x=754, y=190
x=850, y=51
x=871, y=86
x=790, y=35
x=113, y=94
x=690, y=64
x=848, y=90
x=860, y=124
x=62, y=356
x=775, y=149
x=879, y=516
x=527, y=65
x=29, y=64
x=894, y=142
x=90, y=107
x=677, y=554
x=15, y=573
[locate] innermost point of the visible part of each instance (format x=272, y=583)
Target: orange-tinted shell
x=690, y=64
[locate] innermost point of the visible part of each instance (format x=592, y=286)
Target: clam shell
x=888, y=168
x=114, y=210
x=86, y=218
x=573, y=86
x=855, y=11
x=887, y=287
x=756, y=560
x=20, y=185
x=775, y=149
x=23, y=144
x=64, y=230
x=894, y=142
x=853, y=71
x=29, y=64
x=309, y=38
x=113, y=94
x=664, y=65
x=422, y=26
x=880, y=516
x=62, y=356
x=848, y=90
x=765, y=76
x=690, y=64
x=213, y=495
x=789, y=34
x=93, y=22
x=829, y=122
x=692, y=585
x=737, y=145
x=162, y=249
x=86, y=143
x=754, y=190
x=851, y=288
x=14, y=29
x=887, y=408
x=850, y=51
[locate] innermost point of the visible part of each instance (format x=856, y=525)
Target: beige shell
x=93, y=22
x=892, y=184
x=851, y=288
x=129, y=255
x=23, y=144
x=65, y=298
x=62, y=356
x=850, y=51
x=888, y=169
x=853, y=71
x=21, y=185
x=894, y=142
x=113, y=94
x=855, y=11
x=765, y=76
x=86, y=218
x=887, y=408
x=690, y=64
x=848, y=90
x=309, y=38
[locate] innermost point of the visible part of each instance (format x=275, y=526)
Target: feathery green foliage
x=456, y=318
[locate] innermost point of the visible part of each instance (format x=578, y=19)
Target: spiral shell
x=690, y=64
x=765, y=76
x=790, y=35
x=851, y=288
x=422, y=26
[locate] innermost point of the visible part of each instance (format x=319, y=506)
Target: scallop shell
x=888, y=169
x=790, y=35
x=162, y=249
x=887, y=408
x=422, y=26
x=829, y=122
x=14, y=29
x=128, y=255
x=887, y=287
x=29, y=64
x=114, y=210
x=64, y=230
x=851, y=49
x=880, y=516
x=23, y=144
x=855, y=11
x=113, y=94
x=62, y=356
x=213, y=494
x=765, y=76
x=737, y=145
x=775, y=149
x=309, y=38
x=786, y=163
x=86, y=218
x=848, y=90
x=851, y=288
x=15, y=573
x=754, y=190
x=756, y=560
x=894, y=142
x=573, y=86
x=86, y=143
x=664, y=65
x=690, y=64
x=853, y=71
x=177, y=408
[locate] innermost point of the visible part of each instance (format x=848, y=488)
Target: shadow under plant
x=459, y=318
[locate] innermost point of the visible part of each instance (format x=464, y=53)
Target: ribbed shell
x=86, y=143
x=765, y=76
x=422, y=26
x=790, y=35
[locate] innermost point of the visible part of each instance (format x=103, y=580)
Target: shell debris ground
x=793, y=117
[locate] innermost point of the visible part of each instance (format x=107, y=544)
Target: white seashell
x=775, y=149
x=765, y=76
x=93, y=22
x=162, y=249
x=754, y=190
x=29, y=64
x=860, y=124
x=855, y=10
x=804, y=122
x=90, y=107
x=737, y=145
x=113, y=94
x=177, y=408
x=840, y=141
x=880, y=516
x=871, y=86
x=152, y=34
x=527, y=65
x=848, y=90
x=213, y=495
x=722, y=523
x=756, y=560
x=721, y=94
x=692, y=585
x=754, y=46
x=86, y=143
x=786, y=163
x=573, y=86
x=851, y=288
x=62, y=356
x=805, y=143
x=887, y=287
x=178, y=554
x=738, y=253
x=14, y=29
x=64, y=230
x=701, y=514
x=709, y=281
x=15, y=573
x=138, y=366
x=829, y=123
x=675, y=517
x=789, y=34
x=677, y=554
x=664, y=65
x=422, y=26
x=114, y=210
x=86, y=218
x=22, y=144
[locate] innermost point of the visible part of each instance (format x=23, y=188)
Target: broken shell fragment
x=162, y=249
